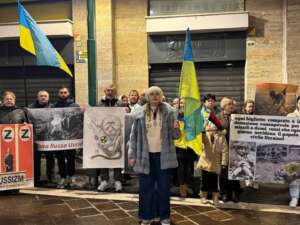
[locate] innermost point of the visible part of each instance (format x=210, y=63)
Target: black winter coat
x=37, y=105
x=12, y=115
x=69, y=102
x=105, y=102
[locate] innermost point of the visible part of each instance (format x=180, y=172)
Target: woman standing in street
x=230, y=189
x=152, y=154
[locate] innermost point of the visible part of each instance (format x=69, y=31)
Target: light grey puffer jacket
x=139, y=148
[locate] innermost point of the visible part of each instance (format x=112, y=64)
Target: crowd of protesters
x=158, y=149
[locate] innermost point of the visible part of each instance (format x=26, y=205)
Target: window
x=180, y=7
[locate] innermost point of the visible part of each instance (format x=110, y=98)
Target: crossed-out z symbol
x=25, y=133
x=8, y=134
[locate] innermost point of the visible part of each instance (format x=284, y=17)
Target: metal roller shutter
x=219, y=78
x=26, y=82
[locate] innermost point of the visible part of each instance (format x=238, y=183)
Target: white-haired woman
x=152, y=154
x=230, y=189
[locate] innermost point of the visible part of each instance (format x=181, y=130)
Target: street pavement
x=61, y=207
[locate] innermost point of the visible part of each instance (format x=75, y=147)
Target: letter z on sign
x=25, y=134
x=8, y=134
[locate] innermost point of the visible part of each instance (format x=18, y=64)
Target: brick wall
x=293, y=42
x=131, y=45
x=264, y=43
x=80, y=44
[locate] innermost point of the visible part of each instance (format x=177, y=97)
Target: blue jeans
x=295, y=188
x=154, y=194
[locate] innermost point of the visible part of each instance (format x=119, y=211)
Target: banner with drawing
x=57, y=128
x=16, y=156
x=264, y=148
x=103, y=140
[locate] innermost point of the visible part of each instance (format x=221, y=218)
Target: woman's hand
x=131, y=162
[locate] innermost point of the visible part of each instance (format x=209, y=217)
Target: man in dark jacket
x=9, y=112
x=65, y=159
x=110, y=100
x=42, y=102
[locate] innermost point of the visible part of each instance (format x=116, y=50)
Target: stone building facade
x=123, y=28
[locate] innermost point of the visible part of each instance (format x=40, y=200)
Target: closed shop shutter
x=218, y=78
x=27, y=82
x=19, y=73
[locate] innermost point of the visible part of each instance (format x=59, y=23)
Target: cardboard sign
x=16, y=156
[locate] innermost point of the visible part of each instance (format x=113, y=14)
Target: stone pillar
x=131, y=45
x=105, y=44
x=80, y=44
x=293, y=44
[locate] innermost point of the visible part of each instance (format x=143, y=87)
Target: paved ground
x=33, y=209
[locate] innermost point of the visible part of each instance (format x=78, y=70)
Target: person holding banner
x=11, y=114
x=109, y=100
x=294, y=186
x=230, y=189
x=152, y=155
x=65, y=158
x=42, y=102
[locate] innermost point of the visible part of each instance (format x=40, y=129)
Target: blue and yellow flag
x=188, y=89
x=34, y=40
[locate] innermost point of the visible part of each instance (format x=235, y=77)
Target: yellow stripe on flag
x=188, y=81
x=63, y=65
x=26, y=41
x=196, y=144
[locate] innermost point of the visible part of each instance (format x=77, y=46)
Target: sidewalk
x=73, y=207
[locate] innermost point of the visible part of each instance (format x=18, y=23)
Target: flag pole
x=91, y=44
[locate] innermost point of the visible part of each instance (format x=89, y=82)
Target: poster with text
x=57, y=128
x=103, y=141
x=264, y=148
x=275, y=99
x=16, y=156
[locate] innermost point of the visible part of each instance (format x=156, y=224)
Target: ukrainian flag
x=188, y=89
x=34, y=40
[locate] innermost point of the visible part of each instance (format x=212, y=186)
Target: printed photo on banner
x=103, y=141
x=264, y=148
x=275, y=99
x=57, y=128
x=16, y=156
x=242, y=157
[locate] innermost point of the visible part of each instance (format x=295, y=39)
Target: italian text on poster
x=16, y=157
x=57, y=128
x=103, y=142
x=264, y=148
